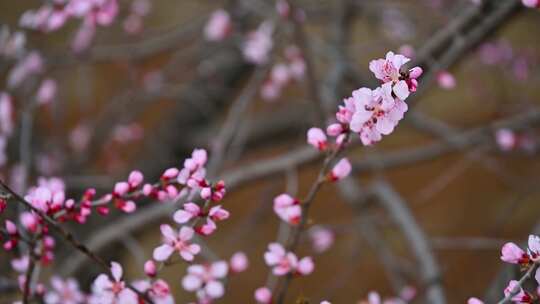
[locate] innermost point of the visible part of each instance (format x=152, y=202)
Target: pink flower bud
x=263, y=295
x=29, y=221
x=135, y=179
x=147, y=189
x=317, y=138
x=446, y=80
x=11, y=227
x=341, y=170
x=128, y=206
x=170, y=173
x=415, y=72
x=511, y=253
x=206, y=193
x=305, y=266
x=334, y=129
x=46, y=92
x=531, y=3
x=474, y=301
x=239, y=262
x=120, y=189
x=150, y=268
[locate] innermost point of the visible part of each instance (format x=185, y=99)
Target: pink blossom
x=217, y=213
x=135, y=179
x=207, y=228
x=321, y=238
x=258, y=44
x=111, y=290
x=474, y=301
x=446, y=80
x=531, y=3
x=150, y=268
x=239, y=262
x=506, y=139
x=286, y=262
x=511, y=253
x=170, y=174
x=282, y=262
x=158, y=290
x=288, y=209
x=280, y=74
x=206, y=280
x=388, y=69
x=176, y=242
x=189, y=211
x=325, y=302
x=305, y=266
x=47, y=91
x=29, y=65
x=519, y=295
x=29, y=221
x=334, y=129
x=341, y=170
x=83, y=36
x=13, y=234
x=317, y=138
x=64, y=292
x=374, y=298
x=263, y=295
x=219, y=26
x=21, y=264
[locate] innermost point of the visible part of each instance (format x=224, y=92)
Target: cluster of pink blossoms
x=373, y=113
x=54, y=15
x=49, y=197
x=283, y=73
x=513, y=254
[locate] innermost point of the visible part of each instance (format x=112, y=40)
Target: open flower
x=64, y=292
x=288, y=209
x=206, y=280
x=284, y=262
x=263, y=295
x=113, y=290
x=179, y=242
x=158, y=290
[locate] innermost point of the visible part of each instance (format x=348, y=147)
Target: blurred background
x=142, y=96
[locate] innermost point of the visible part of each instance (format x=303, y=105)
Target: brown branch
x=68, y=236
